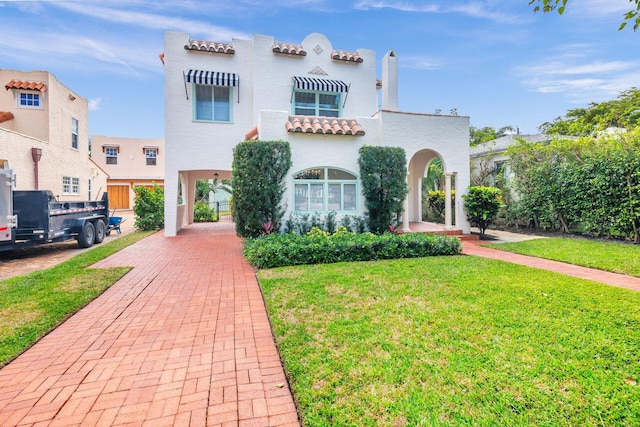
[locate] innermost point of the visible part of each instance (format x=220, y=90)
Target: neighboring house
x=490, y=158
x=129, y=162
x=322, y=100
x=44, y=136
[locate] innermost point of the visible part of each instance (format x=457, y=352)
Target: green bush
x=482, y=204
x=383, y=171
x=435, y=202
x=203, y=213
x=318, y=247
x=259, y=169
x=149, y=207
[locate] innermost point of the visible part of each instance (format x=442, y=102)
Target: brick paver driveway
x=182, y=339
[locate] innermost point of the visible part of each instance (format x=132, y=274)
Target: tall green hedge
x=383, y=171
x=589, y=186
x=259, y=170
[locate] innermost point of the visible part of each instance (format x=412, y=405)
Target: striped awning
x=321, y=85
x=212, y=78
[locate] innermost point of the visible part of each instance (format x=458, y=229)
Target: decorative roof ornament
x=317, y=70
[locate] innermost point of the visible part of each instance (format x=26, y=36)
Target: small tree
x=383, y=171
x=259, y=169
x=482, y=204
x=149, y=207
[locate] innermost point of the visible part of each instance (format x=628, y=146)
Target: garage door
x=118, y=196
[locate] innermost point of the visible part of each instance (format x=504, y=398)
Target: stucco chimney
x=390, y=81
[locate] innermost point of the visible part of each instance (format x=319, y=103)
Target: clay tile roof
x=5, y=116
x=211, y=47
x=252, y=135
x=343, y=55
x=19, y=84
x=323, y=125
x=288, y=48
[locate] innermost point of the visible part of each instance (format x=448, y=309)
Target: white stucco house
x=322, y=100
x=129, y=162
x=44, y=136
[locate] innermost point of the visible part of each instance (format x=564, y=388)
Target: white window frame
x=26, y=94
x=213, y=112
x=151, y=154
x=324, y=187
x=70, y=185
x=317, y=110
x=109, y=154
x=75, y=137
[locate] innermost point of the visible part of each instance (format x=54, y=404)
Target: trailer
x=35, y=217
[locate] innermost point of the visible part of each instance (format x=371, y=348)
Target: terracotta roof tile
x=252, y=134
x=5, y=116
x=19, y=84
x=343, y=55
x=323, y=125
x=209, y=46
x=288, y=48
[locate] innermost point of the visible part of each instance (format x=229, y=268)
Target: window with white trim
x=152, y=155
x=70, y=185
x=74, y=133
x=111, y=154
x=212, y=103
x=314, y=103
x=29, y=100
x=325, y=189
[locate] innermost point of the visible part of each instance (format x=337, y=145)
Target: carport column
x=447, y=200
x=405, y=215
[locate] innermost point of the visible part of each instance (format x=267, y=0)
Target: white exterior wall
x=49, y=129
x=197, y=150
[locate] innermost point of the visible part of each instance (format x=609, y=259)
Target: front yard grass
x=609, y=256
x=449, y=341
x=33, y=304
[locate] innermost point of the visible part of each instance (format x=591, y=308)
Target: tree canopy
x=622, y=112
x=487, y=133
x=545, y=6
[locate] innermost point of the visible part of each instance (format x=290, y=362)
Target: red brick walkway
x=182, y=339
x=613, y=279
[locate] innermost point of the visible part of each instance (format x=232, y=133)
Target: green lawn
x=609, y=256
x=33, y=304
x=449, y=341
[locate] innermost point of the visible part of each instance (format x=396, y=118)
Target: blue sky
x=493, y=60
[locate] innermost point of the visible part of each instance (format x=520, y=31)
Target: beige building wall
x=131, y=166
x=48, y=128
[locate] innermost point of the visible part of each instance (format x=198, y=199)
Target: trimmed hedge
x=279, y=250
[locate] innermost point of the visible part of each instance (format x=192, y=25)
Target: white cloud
x=481, y=10
x=94, y=104
x=419, y=63
x=578, y=77
x=151, y=20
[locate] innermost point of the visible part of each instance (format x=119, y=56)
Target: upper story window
x=111, y=155
x=74, y=133
x=318, y=97
x=325, y=189
x=70, y=185
x=152, y=155
x=212, y=95
x=309, y=103
x=29, y=100
x=212, y=103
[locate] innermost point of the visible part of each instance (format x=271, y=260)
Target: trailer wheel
x=87, y=235
x=101, y=230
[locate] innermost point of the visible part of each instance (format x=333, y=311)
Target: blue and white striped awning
x=321, y=85
x=212, y=78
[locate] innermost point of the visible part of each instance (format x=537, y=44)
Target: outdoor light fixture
x=215, y=176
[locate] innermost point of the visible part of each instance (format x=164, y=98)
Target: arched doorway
x=416, y=171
